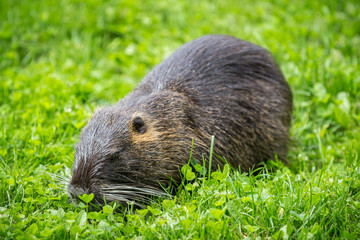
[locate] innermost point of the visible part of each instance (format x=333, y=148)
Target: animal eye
x=139, y=125
x=115, y=155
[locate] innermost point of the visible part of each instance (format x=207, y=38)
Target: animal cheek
x=150, y=135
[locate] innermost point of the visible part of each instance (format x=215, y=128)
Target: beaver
x=216, y=86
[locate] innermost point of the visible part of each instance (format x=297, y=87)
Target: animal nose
x=75, y=191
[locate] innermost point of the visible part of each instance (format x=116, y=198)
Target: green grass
x=59, y=60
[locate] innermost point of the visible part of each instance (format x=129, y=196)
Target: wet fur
x=215, y=85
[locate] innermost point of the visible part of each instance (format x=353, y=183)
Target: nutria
x=215, y=85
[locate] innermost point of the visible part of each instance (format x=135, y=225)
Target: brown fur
x=215, y=85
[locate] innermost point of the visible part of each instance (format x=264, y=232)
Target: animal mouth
x=75, y=191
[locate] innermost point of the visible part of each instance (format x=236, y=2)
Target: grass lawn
x=60, y=60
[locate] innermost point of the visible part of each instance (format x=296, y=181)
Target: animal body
x=215, y=85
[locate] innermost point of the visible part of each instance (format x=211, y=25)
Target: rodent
x=215, y=85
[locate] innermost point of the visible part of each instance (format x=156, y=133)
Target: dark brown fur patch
x=215, y=85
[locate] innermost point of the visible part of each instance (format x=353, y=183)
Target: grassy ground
x=59, y=62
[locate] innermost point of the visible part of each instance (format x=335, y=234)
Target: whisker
x=138, y=194
x=146, y=190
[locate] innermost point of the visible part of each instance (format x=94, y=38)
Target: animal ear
x=138, y=125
